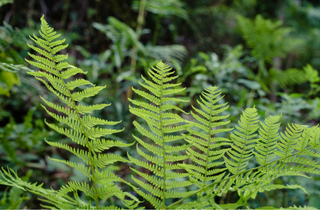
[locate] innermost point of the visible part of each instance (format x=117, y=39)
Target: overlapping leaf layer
x=176, y=159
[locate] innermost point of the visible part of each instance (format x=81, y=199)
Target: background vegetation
x=262, y=53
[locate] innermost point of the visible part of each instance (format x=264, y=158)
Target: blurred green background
x=261, y=53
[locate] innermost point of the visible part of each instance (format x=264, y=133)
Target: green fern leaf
x=243, y=141
x=288, y=140
x=78, y=125
x=164, y=155
x=266, y=145
x=207, y=153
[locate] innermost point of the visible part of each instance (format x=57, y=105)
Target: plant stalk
x=140, y=21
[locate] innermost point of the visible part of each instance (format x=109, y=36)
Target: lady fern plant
x=82, y=128
x=177, y=154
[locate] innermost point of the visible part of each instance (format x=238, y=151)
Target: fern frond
x=287, y=77
x=300, y=207
x=251, y=190
x=268, y=137
x=243, y=141
x=12, y=68
x=267, y=37
x=10, y=178
x=207, y=152
x=79, y=126
x=288, y=140
x=164, y=157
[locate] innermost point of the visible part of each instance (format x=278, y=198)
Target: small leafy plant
x=184, y=164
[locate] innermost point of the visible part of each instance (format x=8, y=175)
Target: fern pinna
x=164, y=155
x=82, y=127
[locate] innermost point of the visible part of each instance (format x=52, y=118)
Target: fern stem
x=234, y=176
x=88, y=145
x=267, y=152
x=208, y=150
x=140, y=22
x=244, y=150
x=163, y=151
x=156, y=31
x=65, y=13
x=85, y=134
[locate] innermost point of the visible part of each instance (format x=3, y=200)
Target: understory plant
x=180, y=163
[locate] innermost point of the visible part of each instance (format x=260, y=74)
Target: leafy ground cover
x=263, y=54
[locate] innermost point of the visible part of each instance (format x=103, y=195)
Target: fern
x=207, y=162
x=267, y=38
x=278, y=155
x=268, y=139
x=164, y=8
x=164, y=155
x=287, y=77
x=208, y=151
x=81, y=127
x=243, y=142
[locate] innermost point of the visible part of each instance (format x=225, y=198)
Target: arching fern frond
x=163, y=155
x=287, y=157
x=82, y=128
x=287, y=77
x=267, y=143
x=208, y=150
x=268, y=39
x=243, y=140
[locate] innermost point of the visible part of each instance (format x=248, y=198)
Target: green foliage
x=312, y=77
x=208, y=150
x=124, y=38
x=163, y=8
x=13, y=198
x=3, y=2
x=243, y=142
x=7, y=80
x=9, y=39
x=15, y=137
x=266, y=38
x=163, y=158
x=82, y=126
x=210, y=164
x=287, y=77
